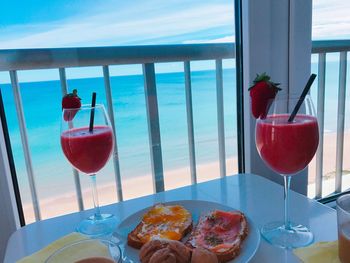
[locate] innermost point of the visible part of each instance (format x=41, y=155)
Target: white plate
x=197, y=208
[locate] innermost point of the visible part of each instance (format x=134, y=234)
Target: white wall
x=276, y=40
x=9, y=221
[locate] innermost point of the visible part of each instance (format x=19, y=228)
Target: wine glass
x=287, y=147
x=88, y=145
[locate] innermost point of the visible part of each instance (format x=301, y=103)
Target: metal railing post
x=340, y=121
x=108, y=90
x=25, y=144
x=220, y=116
x=320, y=119
x=153, y=126
x=189, y=113
x=64, y=91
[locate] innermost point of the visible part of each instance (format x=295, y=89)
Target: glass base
x=104, y=225
x=296, y=236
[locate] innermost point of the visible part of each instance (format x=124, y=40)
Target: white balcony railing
x=322, y=48
x=29, y=59
x=14, y=60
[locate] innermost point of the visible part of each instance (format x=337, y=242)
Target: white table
x=259, y=198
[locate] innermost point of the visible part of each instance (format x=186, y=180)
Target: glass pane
x=111, y=24
x=330, y=22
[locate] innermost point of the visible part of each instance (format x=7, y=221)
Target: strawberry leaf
x=262, y=77
x=265, y=78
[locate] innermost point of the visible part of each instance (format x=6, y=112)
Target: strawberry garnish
x=262, y=94
x=70, y=101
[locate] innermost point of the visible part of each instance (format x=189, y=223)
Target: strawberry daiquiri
x=287, y=147
x=88, y=151
x=87, y=141
x=286, y=140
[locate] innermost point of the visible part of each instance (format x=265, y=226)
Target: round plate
x=197, y=208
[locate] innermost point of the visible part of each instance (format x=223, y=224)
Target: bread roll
x=201, y=255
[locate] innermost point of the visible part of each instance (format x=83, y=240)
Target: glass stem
x=97, y=214
x=287, y=179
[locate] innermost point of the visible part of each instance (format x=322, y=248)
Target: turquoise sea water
x=42, y=108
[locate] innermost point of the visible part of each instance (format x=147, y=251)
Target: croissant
x=167, y=251
x=201, y=255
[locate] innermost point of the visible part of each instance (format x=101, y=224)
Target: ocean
x=42, y=109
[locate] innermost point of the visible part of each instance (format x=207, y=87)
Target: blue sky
x=67, y=23
x=331, y=19
x=71, y=23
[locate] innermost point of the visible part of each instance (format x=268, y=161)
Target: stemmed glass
x=88, y=149
x=287, y=148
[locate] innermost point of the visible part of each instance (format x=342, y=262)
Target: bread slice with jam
x=220, y=232
x=171, y=222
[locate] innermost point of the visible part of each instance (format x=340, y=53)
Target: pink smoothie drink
x=287, y=147
x=88, y=151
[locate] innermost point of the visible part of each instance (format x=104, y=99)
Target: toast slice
x=171, y=222
x=220, y=232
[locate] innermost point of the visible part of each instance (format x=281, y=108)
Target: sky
x=330, y=19
x=69, y=23
x=72, y=23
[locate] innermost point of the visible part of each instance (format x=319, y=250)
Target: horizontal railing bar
x=25, y=59
x=64, y=91
x=46, y=58
x=328, y=46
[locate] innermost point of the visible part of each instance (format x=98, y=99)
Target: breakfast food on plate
x=201, y=255
x=218, y=236
x=221, y=233
x=161, y=221
x=171, y=251
x=164, y=250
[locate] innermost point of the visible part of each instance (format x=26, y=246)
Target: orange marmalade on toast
x=167, y=222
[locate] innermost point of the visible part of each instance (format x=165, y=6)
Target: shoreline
x=132, y=187
x=179, y=177
x=329, y=156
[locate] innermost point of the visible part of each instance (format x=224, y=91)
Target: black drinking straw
x=92, y=113
x=302, y=97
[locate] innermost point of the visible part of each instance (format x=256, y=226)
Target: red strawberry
x=70, y=101
x=262, y=94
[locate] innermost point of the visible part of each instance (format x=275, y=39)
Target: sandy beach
x=329, y=157
x=142, y=185
x=132, y=188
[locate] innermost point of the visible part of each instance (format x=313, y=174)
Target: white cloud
x=160, y=21
x=109, y=29
x=331, y=19
x=227, y=39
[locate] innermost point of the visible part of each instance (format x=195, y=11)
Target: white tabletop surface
x=260, y=199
